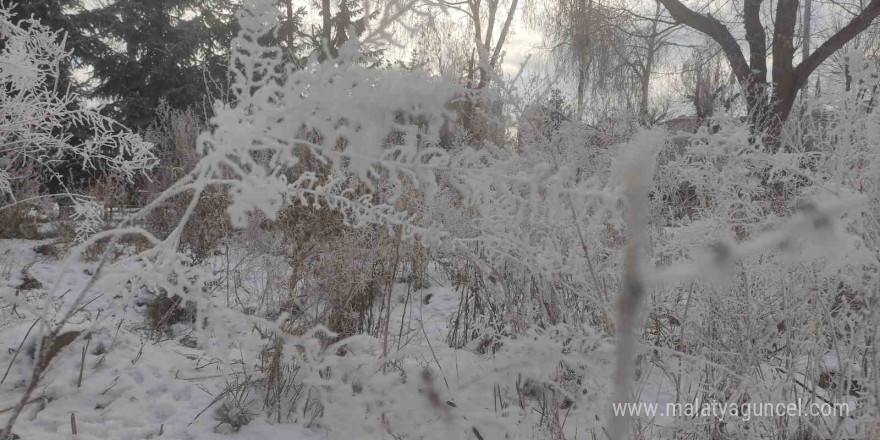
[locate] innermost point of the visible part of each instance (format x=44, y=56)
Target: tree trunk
x=643, y=102
x=289, y=35
x=582, y=79
x=648, y=68
x=807, y=17
x=327, y=30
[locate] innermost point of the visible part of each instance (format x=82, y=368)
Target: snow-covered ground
x=134, y=387
x=131, y=388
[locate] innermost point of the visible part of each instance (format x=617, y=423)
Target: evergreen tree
x=289, y=35
x=174, y=50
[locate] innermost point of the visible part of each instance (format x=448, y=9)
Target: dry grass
x=163, y=311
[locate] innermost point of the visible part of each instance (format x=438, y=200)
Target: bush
x=175, y=132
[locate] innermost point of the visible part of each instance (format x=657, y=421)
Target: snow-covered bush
x=89, y=219
x=40, y=121
x=778, y=321
x=174, y=134
x=744, y=297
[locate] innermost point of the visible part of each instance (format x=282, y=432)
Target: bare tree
x=443, y=47
x=646, y=39
x=483, y=16
x=488, y=46
x=584, y=44
x=768, y=106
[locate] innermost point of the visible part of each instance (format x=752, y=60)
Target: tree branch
x=838, y=40
x=490, y=26
x=717, y=31
x=497, y=52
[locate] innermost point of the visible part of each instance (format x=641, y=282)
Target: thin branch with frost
x=39, y=119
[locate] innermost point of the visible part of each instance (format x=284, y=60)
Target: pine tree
x=152, y=50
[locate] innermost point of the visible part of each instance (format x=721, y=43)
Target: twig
x=216, y=399
x=26, y=403
x=18, y=350
x=433, y=354
x=403, y=315
x=89, y=302
x=391, y=280
x=101, y=361
x=82, y=364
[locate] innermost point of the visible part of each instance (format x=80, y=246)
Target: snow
x=748, y=295
x=134, y=387
x=133, y=391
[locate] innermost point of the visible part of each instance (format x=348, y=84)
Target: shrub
x=175, y=132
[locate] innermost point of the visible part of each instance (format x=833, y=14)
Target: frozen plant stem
x=628, y=302
x=17, y=351
x=632, y=288
x=82, y=364
x=388, y=296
